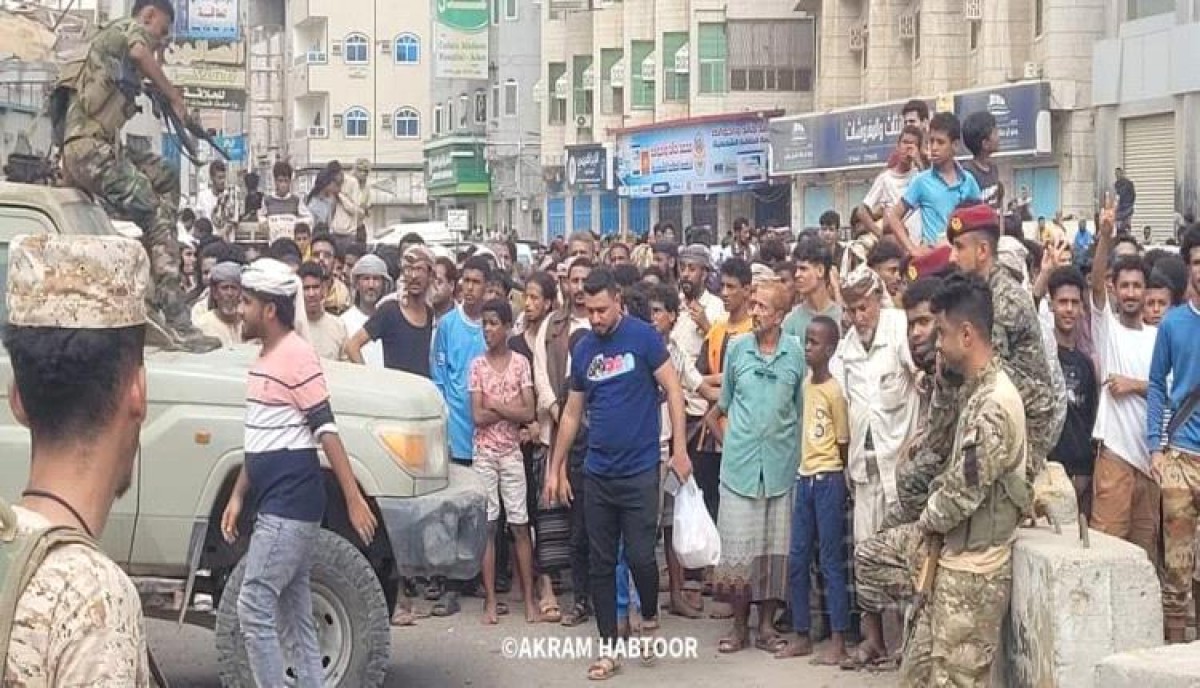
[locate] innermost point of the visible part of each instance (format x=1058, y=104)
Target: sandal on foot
x=733, y=643
x=860, y=658
x=501, y=609
x=446, y=607
x=551, y=613
x=603, y=669
x=580, y=614
x=771, y=642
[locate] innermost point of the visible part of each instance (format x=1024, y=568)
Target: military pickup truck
x=165, y=530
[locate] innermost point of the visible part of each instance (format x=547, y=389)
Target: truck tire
x=351, y=615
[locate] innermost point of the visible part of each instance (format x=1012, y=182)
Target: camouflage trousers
x=1180, y=510
x=138, y=185
x=884, y=565
x=955, y=635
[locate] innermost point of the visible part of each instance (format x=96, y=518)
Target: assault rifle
x=187, y=131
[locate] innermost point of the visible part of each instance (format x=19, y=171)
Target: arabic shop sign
x=211, y=76
x=704, y=158
x=587, y=167
x=453, y=169
x=460, y=39
x=214, y=98
x=866, y=136
x=211, y=19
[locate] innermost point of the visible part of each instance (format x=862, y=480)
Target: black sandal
x=580, y=614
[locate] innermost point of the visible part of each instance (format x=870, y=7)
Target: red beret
x=972, y=218
x=929, y=264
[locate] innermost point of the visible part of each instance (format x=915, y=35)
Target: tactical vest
x=20, y=557
x=996, y=519
x=105, y=91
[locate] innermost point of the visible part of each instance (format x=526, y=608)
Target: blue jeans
x=275, y=602
x=819, y=524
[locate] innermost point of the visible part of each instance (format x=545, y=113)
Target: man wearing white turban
x=223, y=319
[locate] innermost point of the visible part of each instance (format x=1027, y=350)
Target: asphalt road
x=460, y=652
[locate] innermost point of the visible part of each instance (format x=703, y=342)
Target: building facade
x=1147, y=96
x=1026, y=61
x=513, y=149
x=656, y=110
x=359, y=88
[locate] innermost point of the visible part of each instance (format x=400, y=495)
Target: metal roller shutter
x=1149, y=146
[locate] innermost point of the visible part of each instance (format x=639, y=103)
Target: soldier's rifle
x=931, y=553
x=187, y=131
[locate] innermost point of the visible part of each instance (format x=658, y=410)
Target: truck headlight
x=417, y=448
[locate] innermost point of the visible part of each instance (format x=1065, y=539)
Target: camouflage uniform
x=79, y=620
x=129, y=182
x=1180, y=496
x=79, y=623
x=1017, y=341
x=976, y=503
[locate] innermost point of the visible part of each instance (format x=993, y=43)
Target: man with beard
x=441, y=294
x=326, y=252
x=404, y=326
x=974, y=235
x=288, y=416
x=75, y=334
x=970, y=520
x=883, y=562
x=552, y=363
x=371, y=281
x=222, y=319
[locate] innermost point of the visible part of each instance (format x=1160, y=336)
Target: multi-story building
x=513, y=131
x=1028, y=62
x=1147, y=113
x=359, y=89
x=656, y=110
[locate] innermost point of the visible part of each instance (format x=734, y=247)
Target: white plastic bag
x=696, y=540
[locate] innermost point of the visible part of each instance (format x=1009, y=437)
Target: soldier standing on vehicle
x=974, y=506
x=75, y=335
x=288, y=414
x=100, y=101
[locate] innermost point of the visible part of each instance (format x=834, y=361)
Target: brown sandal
x=603, y=669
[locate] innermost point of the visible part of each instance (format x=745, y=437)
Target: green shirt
x=107, y=54
x=796, y=323
x=763, y=397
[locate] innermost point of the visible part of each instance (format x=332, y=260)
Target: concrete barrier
x=1072, y=607
x=1174, y=666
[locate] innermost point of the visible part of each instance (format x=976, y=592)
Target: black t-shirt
x=989, y=183
x=405, y=346
x=1074, y=448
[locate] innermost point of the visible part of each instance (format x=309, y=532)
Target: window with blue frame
x=357, y=49
x=639, y=216
x=357, y=121
x=408, y=49
x=407, y=123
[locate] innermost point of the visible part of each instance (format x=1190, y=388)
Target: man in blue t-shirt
x=458, y=341
x=616, y=372
x=937, y=191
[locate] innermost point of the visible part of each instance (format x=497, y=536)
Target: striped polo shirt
x=287, y=411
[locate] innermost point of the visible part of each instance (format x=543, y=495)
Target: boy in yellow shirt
x=818, y=517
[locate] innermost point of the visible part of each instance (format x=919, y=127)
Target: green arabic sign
x=464, y=15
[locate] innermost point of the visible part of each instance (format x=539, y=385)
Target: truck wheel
x=349, y=609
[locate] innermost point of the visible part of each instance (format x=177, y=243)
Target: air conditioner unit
x=1033, y=70
x=858, y=38
x=973, y=10
x=908, y=27
x=385, y=47
x=583, y=121
x=336, y=48
x=337, y=121
x=683, y=59
x=317, y=57
x=317, y=132
x=386, y=122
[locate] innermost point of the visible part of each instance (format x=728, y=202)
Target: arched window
x=408, y=49
x=407, y=123
x=357, y=49
x=357, y=121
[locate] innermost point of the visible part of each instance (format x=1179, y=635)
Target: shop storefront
x=456, y=177
x=701, y=172
x=833, y=157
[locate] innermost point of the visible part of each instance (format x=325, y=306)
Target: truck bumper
x=439, y=534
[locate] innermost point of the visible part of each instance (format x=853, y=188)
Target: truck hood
x=219, y=378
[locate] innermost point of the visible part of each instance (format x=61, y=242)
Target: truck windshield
x=86, y=218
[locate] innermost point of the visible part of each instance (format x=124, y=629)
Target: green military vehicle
x=165, y=531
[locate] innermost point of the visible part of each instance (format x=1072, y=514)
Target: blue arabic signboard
x=704, y=158
x=865, y=136
x=210, y=19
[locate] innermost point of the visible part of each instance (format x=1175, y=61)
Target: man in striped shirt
x=287, y=415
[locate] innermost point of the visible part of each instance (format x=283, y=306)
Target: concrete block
x=1174, y=666
x=1072, y=607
